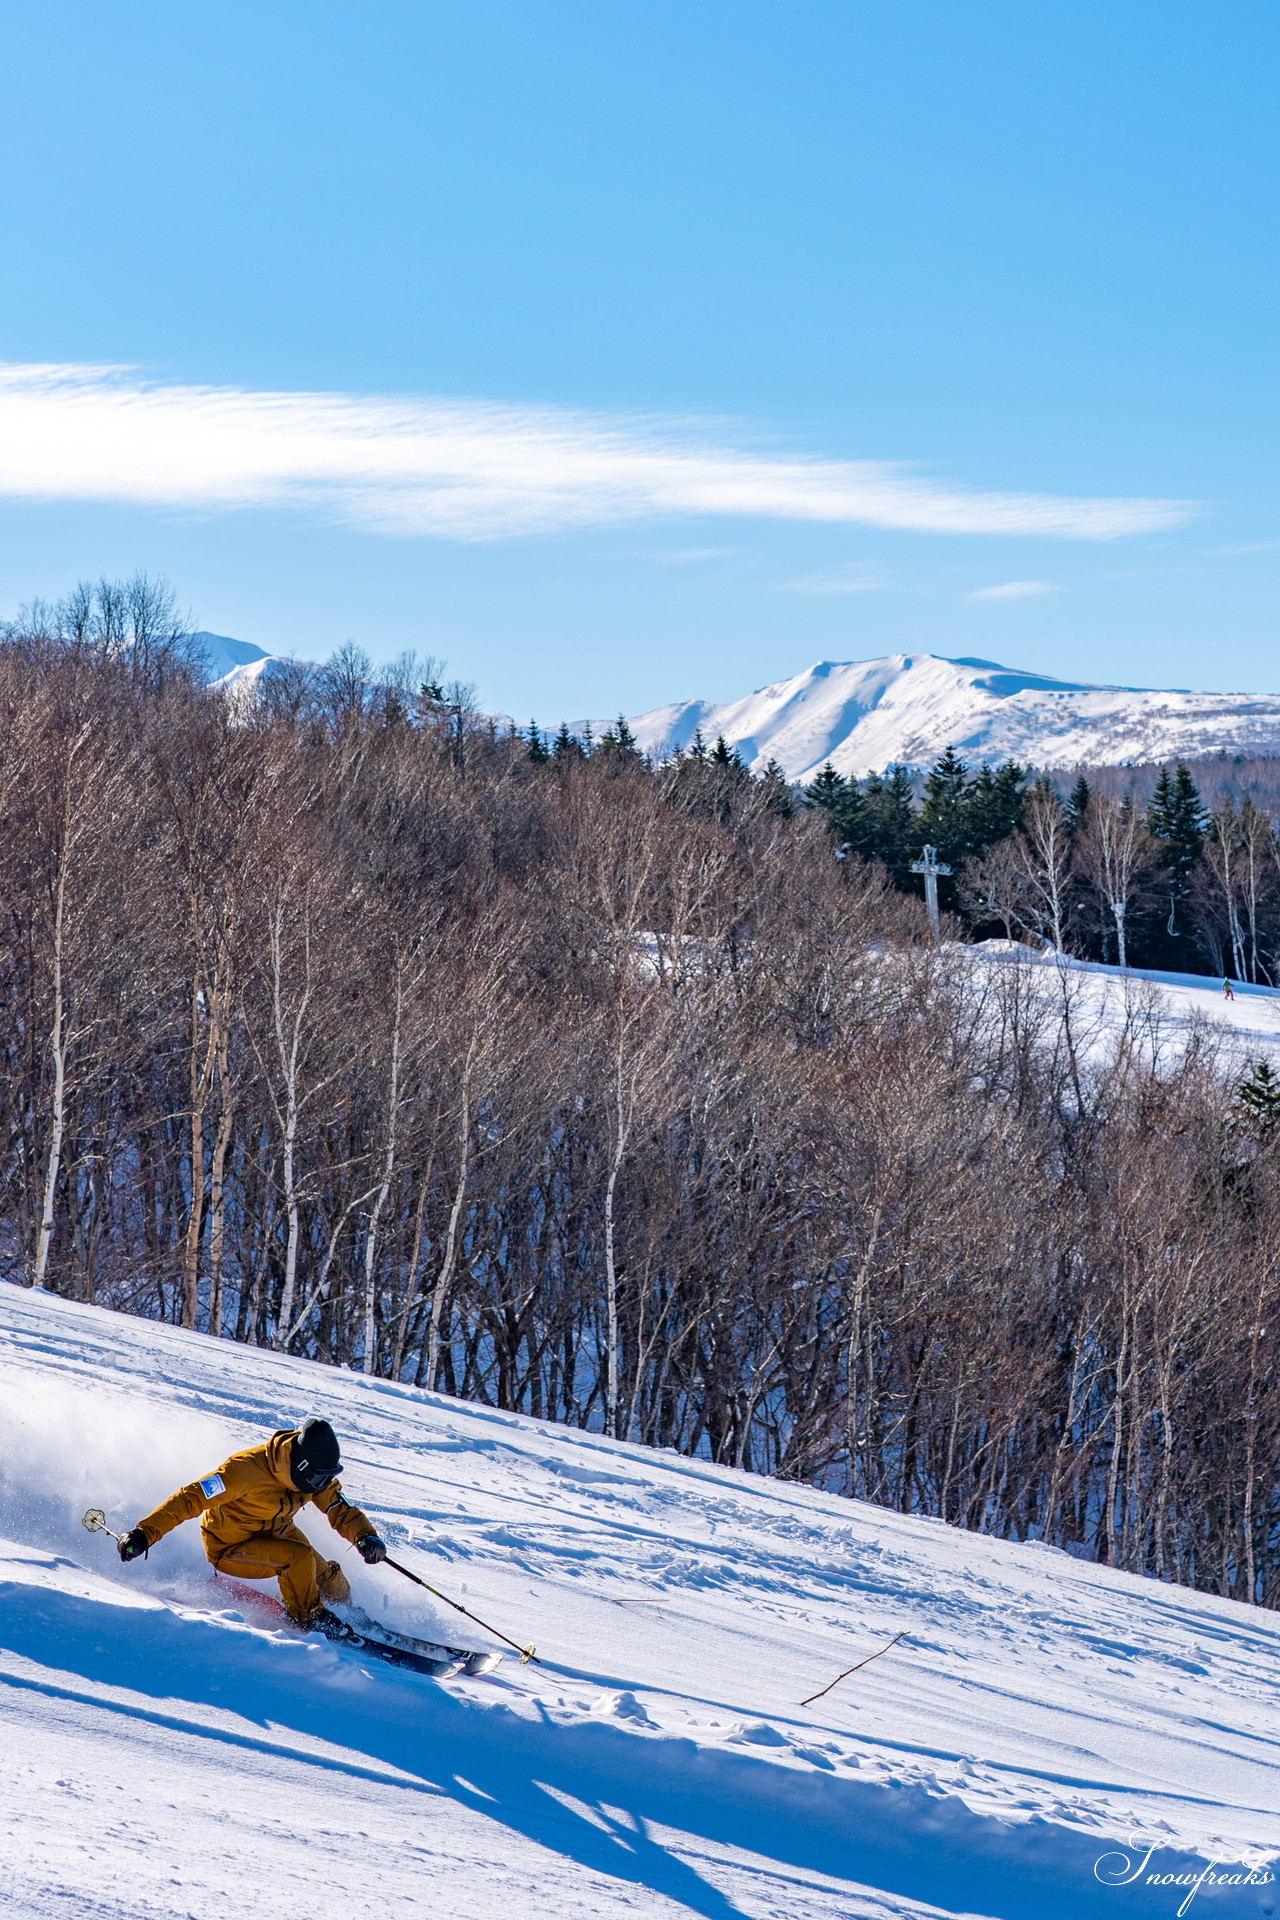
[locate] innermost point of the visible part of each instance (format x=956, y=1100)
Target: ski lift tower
x=930, y=866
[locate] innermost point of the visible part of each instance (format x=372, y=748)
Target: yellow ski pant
x=306, y=1580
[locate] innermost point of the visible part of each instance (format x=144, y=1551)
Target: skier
x=247, y=1508
x=1227, y=993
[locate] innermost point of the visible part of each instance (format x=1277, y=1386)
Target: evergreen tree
x=891, y=819
x=943, y=820
x=994, y=801
x=775, y=792
x=854, y=823
x=846, y=810
x=1176, y=821
x=537, y=749
x=1158, y=808
x=709, y=781
x=566, y=747
x=826, y=793
x=618, y=745
x=727, y=779
x=1259, y=1094
x=1176, y=815
x=1078, y=803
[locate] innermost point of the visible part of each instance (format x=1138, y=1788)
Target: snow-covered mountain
x=863, y=715
x=234, y=663
x=1047, y=1739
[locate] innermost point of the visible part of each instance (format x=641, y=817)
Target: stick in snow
x=854, y=1668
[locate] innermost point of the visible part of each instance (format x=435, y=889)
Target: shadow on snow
x=522, y=1772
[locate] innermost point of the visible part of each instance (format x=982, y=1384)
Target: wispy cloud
x=838, y=580
x=467, y=470
x=1014, y=590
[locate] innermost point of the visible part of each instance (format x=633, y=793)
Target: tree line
x=336, y=1020
x=1170, y=884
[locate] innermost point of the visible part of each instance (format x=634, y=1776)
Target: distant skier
x=1227, y=994
x=247, y=1508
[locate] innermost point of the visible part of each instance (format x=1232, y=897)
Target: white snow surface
x=1153, y=1013
x=235, y=664
x=1045, y=1738
x=864, y=715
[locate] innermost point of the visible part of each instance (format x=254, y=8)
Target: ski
x=458, y=1659
x=477, y=1664
x=438, y=1667
x=417, y=1656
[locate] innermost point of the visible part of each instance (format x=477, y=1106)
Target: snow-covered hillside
x=234, y=663
x=863, y=715
x=1046, y=1738
x=1153, y=1014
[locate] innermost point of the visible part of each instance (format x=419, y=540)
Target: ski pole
x=526, y=1653
x=96, y=1522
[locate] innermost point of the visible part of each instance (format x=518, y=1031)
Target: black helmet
x=314, y=1457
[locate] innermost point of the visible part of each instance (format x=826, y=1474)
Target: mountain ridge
x=907, y=708
x=233, y=663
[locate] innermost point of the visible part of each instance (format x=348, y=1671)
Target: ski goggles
x=314, y=1479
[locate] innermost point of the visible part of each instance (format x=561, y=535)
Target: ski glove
x=371, y=1550
x=134, y=1545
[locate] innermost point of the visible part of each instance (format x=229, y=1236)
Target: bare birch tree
x=1044, y=846
x=1113, y=850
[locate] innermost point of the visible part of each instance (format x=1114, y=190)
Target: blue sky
x=631, y=353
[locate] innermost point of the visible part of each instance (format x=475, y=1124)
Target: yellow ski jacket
x=252, y=1493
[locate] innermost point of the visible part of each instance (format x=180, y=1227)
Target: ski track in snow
x=167, y=1751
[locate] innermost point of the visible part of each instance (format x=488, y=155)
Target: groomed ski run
x=1048, y=1738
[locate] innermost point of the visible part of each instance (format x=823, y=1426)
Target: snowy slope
x=234, y=663
x=1040, y=1728
x=863, y=715
x=1153, y=1013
